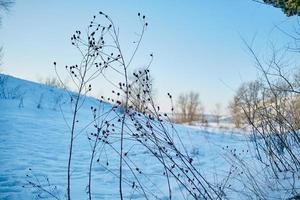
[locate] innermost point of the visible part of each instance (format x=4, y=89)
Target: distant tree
x=189, y=107
x=249, y=96
x=140, y=88
x=54, y=82
x=236, y=112
x=289, y=7
x=246, y=102
x=295, y=112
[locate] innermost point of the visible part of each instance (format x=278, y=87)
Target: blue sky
x=197, y=44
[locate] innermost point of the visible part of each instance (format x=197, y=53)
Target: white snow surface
x=38, y=139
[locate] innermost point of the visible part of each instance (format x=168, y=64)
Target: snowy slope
x=36, y=137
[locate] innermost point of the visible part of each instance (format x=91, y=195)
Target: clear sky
x=197, y=44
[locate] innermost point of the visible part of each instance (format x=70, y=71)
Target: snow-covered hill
x=34, y=139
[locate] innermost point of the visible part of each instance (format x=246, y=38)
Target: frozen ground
x=37, y=138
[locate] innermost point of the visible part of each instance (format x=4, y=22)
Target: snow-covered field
x=38, y=138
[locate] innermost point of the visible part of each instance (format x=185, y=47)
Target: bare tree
x=236, y=112
x=294, y=110
x=189, y=107
x=246, y=102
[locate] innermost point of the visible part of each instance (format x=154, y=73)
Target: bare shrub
x=270, y=108
x=122, y=131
